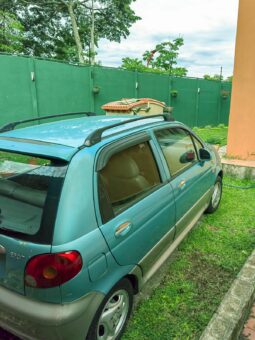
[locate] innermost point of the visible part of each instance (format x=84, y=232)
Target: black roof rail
x=96, y=136
x=11, y=126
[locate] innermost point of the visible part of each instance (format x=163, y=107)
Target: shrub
x=222, y=126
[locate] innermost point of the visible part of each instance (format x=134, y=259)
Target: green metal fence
x=33, y=87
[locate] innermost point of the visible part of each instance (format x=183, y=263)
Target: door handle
x=123, y=229
x=182, y=184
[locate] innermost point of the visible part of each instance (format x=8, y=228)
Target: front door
x=190, y=178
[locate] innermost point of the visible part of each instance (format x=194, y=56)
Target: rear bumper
x=30, y=319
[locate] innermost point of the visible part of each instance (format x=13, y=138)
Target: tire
x=216, y=196
x=112, y=315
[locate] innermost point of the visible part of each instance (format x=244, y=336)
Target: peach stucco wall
x=241, y=136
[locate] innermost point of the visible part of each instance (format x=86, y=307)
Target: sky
x=208, y=28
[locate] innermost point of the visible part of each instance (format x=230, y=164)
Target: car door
x=136, y=203
x=190, y=178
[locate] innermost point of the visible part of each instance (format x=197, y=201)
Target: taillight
x=50, y=270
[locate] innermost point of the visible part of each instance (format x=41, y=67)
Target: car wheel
x=111, y=318
x=216, y=196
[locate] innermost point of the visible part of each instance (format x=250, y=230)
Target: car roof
x=70, y=134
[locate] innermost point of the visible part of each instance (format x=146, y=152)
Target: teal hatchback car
x=90, y=208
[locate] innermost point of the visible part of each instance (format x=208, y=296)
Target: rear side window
x=29, y=194
x=128, y=176
x=178, y=149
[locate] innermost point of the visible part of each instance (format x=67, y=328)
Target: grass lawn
x=213, y=135
x=15, y=157
x=207, y=262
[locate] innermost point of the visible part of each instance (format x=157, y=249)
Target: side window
x=178, y=149
x=128, y=176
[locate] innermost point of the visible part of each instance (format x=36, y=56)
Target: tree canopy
x=217, y=77
x=162, y=59
x=11, y=33
x=62, y=28
x=214, y=77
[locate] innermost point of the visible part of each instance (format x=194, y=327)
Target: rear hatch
x=30, y=189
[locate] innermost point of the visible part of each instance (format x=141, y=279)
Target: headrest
x=122, y=166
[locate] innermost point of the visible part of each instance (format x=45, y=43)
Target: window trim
x=197, y=151
x=120, y=145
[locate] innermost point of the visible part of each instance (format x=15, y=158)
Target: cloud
x=208, y=28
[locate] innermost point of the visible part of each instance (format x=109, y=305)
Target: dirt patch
x=207, y=276
x=213, y=228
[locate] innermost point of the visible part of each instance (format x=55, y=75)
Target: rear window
x=29, y=193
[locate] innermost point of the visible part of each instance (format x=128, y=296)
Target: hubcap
x=113, y=316
x=216, y=194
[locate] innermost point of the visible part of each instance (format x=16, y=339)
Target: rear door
x=137, y=208
x=190, y=178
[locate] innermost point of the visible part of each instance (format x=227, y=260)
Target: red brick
x=250, y=323
x=248, y=333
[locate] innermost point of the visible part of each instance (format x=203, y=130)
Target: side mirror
x=188, y=157
x=204, y=155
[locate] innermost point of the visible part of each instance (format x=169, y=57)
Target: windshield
x=29, y=194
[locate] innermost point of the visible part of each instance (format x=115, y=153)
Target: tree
x=217, y=77
x=67, y=29
x=133, y=64
x=162, y=59
x=164, y=56
x=11, y=33
x=179, y=72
